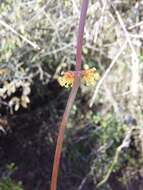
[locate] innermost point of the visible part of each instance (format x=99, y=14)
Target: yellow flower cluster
x=67, y=79
x=88, y=77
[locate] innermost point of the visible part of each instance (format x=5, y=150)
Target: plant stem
x=71, y=97
x=80, y=34
x=61, y=135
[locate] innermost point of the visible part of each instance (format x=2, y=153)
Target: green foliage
x=109, y=135
x=9, y=184
x=110, y=128
x=6, y=183
x=95, y=145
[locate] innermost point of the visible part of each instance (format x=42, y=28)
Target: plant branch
x=120, y=51
x=71, y=97
x=125, y=144
x=35, y=46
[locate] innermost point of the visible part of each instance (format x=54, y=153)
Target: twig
x=125, y=144
x=139, y=36
x=58, y=50
x=35, y=46
x=75, y=9
x=106, y=73
x=135, y=60
x=135, y=25
x=98, y=24
x=83, y=181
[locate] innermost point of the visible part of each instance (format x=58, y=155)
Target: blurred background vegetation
x=104, y=137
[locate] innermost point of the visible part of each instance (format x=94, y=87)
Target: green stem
x=115, y=160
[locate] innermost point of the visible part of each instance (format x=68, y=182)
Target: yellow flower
x=67, y=79
x=89, y=77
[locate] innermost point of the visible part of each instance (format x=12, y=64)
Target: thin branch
x=83, y=181
x=135, y=25
x=125, y=31
x=106, y=73
x=135, y=60
x=138, y=36
x=58, y=49
x=35, y=46
x=125, y=144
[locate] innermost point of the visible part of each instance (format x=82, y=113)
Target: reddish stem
x=71, y=97
x=80, y=34
x=61, y=134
